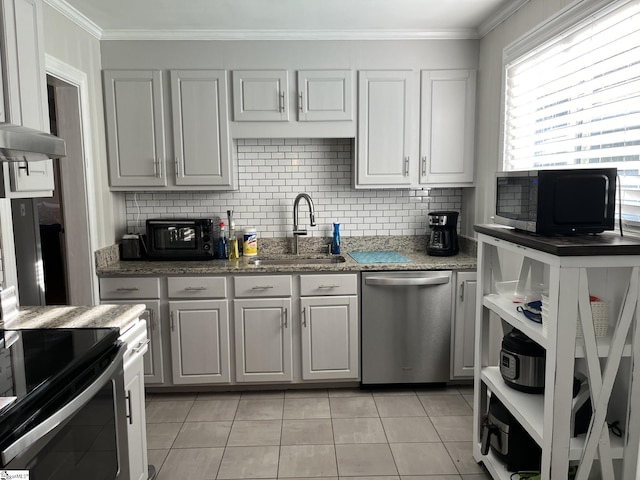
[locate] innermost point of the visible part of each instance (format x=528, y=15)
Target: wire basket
x=599, y=312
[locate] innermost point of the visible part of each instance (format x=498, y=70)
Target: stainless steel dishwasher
x=406, y=327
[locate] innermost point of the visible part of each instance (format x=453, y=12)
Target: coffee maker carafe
x=443, y=239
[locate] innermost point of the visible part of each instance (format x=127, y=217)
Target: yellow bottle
x=233, y=243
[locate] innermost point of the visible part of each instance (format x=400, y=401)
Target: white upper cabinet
x=293, y=104
x=200, y=127
x=388, y=140
x=260, y=95
x=384, y=138
x=447, y=127
x=24, y=93
x=135, y=128
x=325, y=95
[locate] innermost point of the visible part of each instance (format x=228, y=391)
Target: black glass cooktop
x=43, y=369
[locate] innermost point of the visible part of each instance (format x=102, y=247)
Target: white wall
x=73, y=46
x=478, y=203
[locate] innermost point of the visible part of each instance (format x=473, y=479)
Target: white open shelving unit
x=570, y=269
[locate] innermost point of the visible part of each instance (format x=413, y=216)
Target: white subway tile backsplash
x=271, y=172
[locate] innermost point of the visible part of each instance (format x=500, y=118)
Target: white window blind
x=575, y=101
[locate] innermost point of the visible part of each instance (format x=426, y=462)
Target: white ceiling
x=273, y=18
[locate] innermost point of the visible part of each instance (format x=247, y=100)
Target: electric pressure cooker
x=522, y=362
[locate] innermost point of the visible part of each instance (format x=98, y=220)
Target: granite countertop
x=418, y=261
x=118, y=316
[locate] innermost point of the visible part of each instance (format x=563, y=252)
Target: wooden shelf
x=527, y=408
x=506, y=309
x=495, y=466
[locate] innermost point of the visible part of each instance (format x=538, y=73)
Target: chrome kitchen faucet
x=312, y=218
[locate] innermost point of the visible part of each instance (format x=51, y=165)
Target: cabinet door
x=152, y=361
x=263, y=340
x=199, y=341
x=26, y=94
x=153, y=370
x=384, y=129
x=260, y=95
x=136, y=421
x=330, y=338
x=464, y=326
x=325, y=95
x=135, y=128
x=200, y=127
x=447, y=127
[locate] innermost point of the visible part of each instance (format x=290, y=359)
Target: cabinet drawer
x=197, y=287
x=263, y=286
x=120, y=288
x=328, y=285
x=136, y=340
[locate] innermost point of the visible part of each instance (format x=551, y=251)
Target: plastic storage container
x=250, y=242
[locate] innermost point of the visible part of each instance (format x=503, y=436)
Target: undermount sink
x=297, y=261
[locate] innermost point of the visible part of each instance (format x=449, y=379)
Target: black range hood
x=23, y=144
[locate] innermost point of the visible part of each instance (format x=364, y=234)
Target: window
x=574, y=100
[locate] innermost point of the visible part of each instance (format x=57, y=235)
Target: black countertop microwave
x=180, y=239
x=557, y=202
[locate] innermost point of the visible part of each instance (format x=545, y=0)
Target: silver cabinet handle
x=127, y=289
x=129, y=409
x=462, y=291
x=329, y=286
x=159, y=170
x=424, y=166
x=155, y=167
x=304, y=317
x=262, y=287
x=141, y=345
x=195, y=289
x=300, y=102
x=177, y=167
x=282, y=101
x=285, y=314
x=172, y=321
x=60, y=417
x=406, y=166
x=398, y=281
x=25, y=167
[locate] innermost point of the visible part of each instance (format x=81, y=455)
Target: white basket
x=599, y=312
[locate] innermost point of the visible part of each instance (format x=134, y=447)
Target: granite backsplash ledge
x=314, y=245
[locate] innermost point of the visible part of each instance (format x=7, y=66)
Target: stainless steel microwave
x=180, y=239
x=557, y=202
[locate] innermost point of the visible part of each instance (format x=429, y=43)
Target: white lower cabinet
x=464, y=326
x=135, y=290
x=330, y=338
x=263, y=340
x=199, y=341
x=136, y=342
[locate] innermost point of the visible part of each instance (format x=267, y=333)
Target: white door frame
x=85, y=240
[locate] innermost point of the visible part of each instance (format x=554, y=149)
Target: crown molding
x=76, y=17
x=500, y=16
x=452, y=34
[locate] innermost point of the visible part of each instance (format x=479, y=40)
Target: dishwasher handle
x=405, y=282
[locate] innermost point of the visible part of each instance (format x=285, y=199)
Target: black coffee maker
x=443, y=239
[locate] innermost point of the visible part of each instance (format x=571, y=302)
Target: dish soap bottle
x=335, y=244
x=234, y=254
x=223, y=245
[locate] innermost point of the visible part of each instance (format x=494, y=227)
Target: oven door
x=84, y=440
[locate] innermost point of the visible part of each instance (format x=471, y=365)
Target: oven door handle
x=404, y=282
x=65, y=413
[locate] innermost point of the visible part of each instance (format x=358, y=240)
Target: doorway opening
x=53, y=243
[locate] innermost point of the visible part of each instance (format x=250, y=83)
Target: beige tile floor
x=422, y=434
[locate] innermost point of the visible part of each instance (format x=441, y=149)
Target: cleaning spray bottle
x=335, y=243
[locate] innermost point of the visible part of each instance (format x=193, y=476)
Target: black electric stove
x=41, y=370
